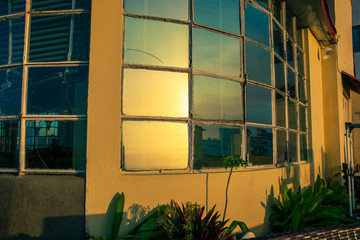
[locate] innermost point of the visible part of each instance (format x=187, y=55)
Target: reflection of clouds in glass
x=258, y=66
x=258, y=104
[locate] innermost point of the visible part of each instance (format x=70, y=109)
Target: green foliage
x=233, y=162
x=321, y=206
x=119, y=211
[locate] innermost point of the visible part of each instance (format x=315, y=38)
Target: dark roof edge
x=329, y=21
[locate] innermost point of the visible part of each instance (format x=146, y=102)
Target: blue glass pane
x=52, y=38
x=278, y=39
x=12, y=7
x=293, y=147
x=290, y=53
x=176, y=9
x=217, y=53
x=222, y=15
x=214, y=142
x=12, y=41
x=260, y=145
x=45, y=5
x=263, y=3
x=280, y=110
x=10, y=91
x=256, y=25
x=57, y=90
x=292, y=115
x=258, y=64
x=277, y=9
x=281, y=146
x=9, y=144
x=56, y=145
x=356, y=38
x=258, y=104
x=279, y=74
x=291, y=83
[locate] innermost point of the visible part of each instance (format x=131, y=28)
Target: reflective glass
x=11, y=7
x=256, y=25
x=303, y=148
x=155, y=93
x=289, y=22
x=258, y=104
x=263, y=3
x=302, y=94
x=260, y=145
x=214, y=142
x=10, y=91
x=280, y=110
x=9, y=144
x=217, y=99
x=279, y=74
x=45, y=5
x=293, y=147
x=153, y=145
x=53, y=39
x=278, y=39
x=292, y=115
x=177, y=9
x=156, y=43
x=55, y=145
x=302, y=113
x=281, y=146
x=300, y=62
x=258, y=63
x=217, y=53
x=12, y=41
x=57, y=90
x=291, y=83
x=277, y=9
x=222, y=15
x=290, y=53
x=299, y=35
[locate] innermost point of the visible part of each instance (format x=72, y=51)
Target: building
x=170, y=88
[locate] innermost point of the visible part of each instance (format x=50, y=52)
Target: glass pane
x=10, y=91
x=300, y=61
x=258, y=58
x=217, y=53
x=256, y=25
x=277, y=9
x=293, y=147
x=222, y=15
x=44, y=5
x=260, y=145
x=281, y=146
x=155, y=93
x=55, y=145
x=280, y=110
x=299, y=35
x=263, y=3
x=289, y=22
x=291, y=83
x=303, y=148
x=279, y=74
x=302, y=94
x=302, y=112
x=258, y=104
x=177, y=9
x=278, y=39
x=12, y=41
x=156, y=43
x=52, y=38
x=290, y=53
x=150, y=145
x=12, y=7
x=214, y=142
x=292, y=115
x=217, y=99
x=57, y=90
x=9, y=144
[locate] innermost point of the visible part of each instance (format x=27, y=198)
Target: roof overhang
x=350, y=82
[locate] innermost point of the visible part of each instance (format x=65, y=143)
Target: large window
x=44, y=53
x=198, y=87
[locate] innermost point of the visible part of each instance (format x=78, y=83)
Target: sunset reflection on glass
x=155, y=93
x=154, y=145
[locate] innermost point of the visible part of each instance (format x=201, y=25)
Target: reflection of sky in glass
x=10, y=91
x=151, y=145
x=302, y=114
x=292, y=115
x=263, y=3
x=279, y=74
x=278, y=39
x=217, y=99
x=256, y=25
x=258, y=65
x=177, y=9
x=280, y=110
x=303, y=148
x=281, y=146
x=156, y=43
x=260, y=145
x=291, y=83
x=155, y=93
x=258, y=104
x=293, y=146
x=45, y=5
x=223, y=15
x=9, y=144
x=217, y=53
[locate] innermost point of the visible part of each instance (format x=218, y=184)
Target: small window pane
x=278, y=39
x=55, y=145
x=222, y=15
x=258, y=58
x=302, y=112
x=156, y=43
x=260, y=145
x=299, y=35
x=217, y=99
x=300, y=61
x=52, y=39
x=289, y=22
x=258, y=104
x=293, y=147
x=281, y=146
x=57, y=90
x=214, y=142
x=11, y=7
x=150, y=145
x=9, y=144
x=263, y=3
x=10, y=91
x=177, y=9
x=155, y=93
x=291, y=83
x=303, y=148
x=45, y=5
x=277, y=9
x=292, y=115
x=256, y=25
x=280, y=110
x=12, y=41
x=217, y=53
x=302, y=93
x=279, y=74
x=290, y=53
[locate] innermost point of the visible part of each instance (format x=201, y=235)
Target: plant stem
x=226, y=193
